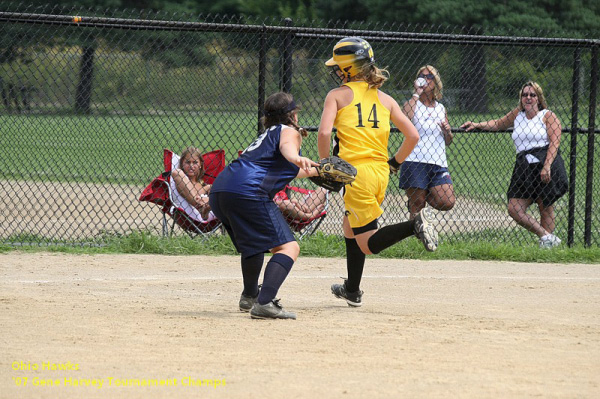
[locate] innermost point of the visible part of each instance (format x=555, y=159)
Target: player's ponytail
x=373, y=75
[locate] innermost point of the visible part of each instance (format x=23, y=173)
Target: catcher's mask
x=349, y=56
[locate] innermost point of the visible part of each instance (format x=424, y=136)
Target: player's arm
x=289, y=146
x=326, y=125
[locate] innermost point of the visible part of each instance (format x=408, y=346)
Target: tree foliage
x=570, y=17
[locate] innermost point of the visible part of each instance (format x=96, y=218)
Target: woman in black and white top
x=539, y=175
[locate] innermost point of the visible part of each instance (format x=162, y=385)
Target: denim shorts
x=423, y=175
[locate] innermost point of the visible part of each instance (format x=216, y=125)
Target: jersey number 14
x=372, y=116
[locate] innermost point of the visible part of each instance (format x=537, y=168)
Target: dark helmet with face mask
x=350, y=55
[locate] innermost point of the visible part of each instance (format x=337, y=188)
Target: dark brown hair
x=279, y=109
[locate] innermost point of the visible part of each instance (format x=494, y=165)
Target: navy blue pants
x=254, y=225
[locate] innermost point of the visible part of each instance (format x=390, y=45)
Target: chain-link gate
x=90, y=102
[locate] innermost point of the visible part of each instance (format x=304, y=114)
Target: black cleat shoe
x=246, y=302
x=271, y=310
x=353, y=299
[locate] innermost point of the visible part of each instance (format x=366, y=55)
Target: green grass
x=319, y=245
x=111, y=149
x=128, y=150
x=115, y=149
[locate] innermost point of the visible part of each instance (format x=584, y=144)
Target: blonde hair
x=193, y=152
x=538, y=91
x=438, y=90
x=373, y=75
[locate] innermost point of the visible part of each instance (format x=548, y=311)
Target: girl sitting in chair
x=189, y=181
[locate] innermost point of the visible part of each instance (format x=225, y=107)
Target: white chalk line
x=237, y=277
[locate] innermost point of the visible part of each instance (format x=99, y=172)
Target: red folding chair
x=162, y=191
x=302, y=227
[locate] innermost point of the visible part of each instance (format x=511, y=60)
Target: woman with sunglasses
x=539, y=174
x=424, y=175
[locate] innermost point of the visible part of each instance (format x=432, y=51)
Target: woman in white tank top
x=539, y=175
x=424, y=174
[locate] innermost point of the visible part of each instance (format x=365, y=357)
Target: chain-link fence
x=89, y=103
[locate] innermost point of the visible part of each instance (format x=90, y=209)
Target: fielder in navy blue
x=242, y=198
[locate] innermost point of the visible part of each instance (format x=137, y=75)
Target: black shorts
x=255, y=226
x=526, y=182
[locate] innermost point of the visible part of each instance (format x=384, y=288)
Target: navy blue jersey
x=261, y=171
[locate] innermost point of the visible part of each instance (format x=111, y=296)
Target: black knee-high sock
x=355, y=263
x=389, y=235
x=275, y=273
x=251, y=267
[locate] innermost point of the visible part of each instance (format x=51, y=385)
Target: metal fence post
x=286, y=59
x=262, y=71
x=590, y=151
x=573, y=152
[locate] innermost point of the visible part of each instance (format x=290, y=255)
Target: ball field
x=153, y=326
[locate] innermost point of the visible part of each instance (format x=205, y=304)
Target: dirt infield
x=168, y=327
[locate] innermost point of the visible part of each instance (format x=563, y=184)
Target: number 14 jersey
x=363, y=126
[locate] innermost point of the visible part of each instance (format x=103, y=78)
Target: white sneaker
x=549, y=241
x=425, y=230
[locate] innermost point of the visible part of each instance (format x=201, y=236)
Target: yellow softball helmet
x=350, y=54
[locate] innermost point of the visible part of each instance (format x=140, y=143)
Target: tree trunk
x=83, y=97
x=473, y=94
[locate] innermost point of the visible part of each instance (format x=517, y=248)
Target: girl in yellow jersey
x=361, y=113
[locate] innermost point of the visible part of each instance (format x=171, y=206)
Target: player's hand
x=306, y=164
x=394, y=165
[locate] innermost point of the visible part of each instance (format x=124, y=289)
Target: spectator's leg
x=442, y=197
x=417, y=199
x=314, y=201
x=547, y=216
x=517, y=209
x=292, y=210
x=184, y=186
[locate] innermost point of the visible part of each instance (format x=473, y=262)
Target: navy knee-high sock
x=275, y=273
x=389, y=235
x=251, y=268
x=355, y=263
